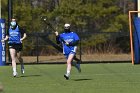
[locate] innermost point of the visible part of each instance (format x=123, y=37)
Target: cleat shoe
x=15, y=74
x=66, y=76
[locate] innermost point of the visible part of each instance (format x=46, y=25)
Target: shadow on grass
x=30, y=76
x=81, y=79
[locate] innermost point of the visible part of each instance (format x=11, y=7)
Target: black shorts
x=17, y=47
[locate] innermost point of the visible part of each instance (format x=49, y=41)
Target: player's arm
x=23, y=34
x=57, y=37
x=5, y=39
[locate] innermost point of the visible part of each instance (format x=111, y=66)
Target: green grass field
x=94, y=78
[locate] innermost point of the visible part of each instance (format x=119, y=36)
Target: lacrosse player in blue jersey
x=69, y=41
x=15, y=35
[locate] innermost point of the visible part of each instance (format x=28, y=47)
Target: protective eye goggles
x=13, y=23
x=67, y=26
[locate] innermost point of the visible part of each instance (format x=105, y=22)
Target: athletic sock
x=14, y=69
x=22, y=66
x=68, y=73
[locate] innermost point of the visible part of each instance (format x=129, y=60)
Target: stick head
x=44, y=18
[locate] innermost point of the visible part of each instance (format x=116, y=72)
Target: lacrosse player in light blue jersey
x=15, y=35
x=69, y=41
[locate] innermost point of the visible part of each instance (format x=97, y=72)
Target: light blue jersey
x=14, y=35
x=70, y=38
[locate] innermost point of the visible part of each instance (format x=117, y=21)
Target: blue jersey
x=70, y=38
x=14, y=35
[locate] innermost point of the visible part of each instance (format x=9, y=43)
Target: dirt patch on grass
x=85, y=58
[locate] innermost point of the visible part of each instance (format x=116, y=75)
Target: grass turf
x=94, y=78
